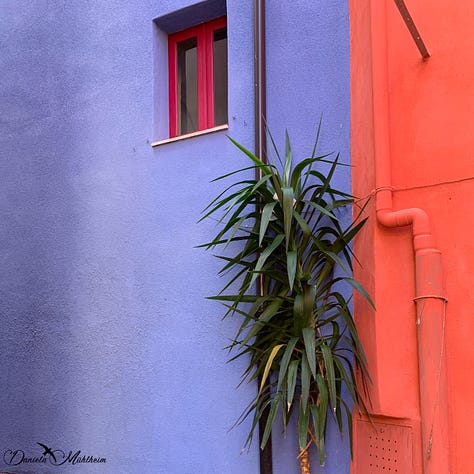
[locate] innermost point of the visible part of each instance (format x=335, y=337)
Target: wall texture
x=308, y=79
x=429, y=143
x=107, y=344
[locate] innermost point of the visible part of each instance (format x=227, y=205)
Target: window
x=198, y=77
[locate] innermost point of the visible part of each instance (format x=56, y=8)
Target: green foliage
x=298, y=336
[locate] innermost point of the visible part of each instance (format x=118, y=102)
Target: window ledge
x=190, y=135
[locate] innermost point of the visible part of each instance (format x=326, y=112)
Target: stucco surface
x=308, y=79
x=107, y=344
x=428, y=141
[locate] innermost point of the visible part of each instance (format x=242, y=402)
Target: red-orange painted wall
x=431, y=149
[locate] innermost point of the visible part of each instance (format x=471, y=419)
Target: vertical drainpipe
x=260, y=150
x=259, y=81
x=430, y=297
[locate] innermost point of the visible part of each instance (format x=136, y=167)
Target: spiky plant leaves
x=298, y=338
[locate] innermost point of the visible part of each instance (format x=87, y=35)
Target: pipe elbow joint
x=417, y=217
x=422, y=235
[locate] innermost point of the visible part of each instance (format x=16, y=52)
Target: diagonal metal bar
x=407, y=18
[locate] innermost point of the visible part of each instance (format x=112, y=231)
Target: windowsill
x=190, y=135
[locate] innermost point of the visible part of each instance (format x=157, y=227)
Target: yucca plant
x=287, y=228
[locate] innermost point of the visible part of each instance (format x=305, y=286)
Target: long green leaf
x=291, y=385
x=303, y=425
x=271, y=417
x=357, y=286
x=305, y=382
x=269, y=363
x=265, y=254
x=292, y=260
x=319, y=418
x=330, y=375
x=303, y=308
x=285, y=361
x=298, y=170
x=263, y=166
x=310, y=346
x=266, y=216
x=313, y=153
x=322, y=209
x=270, y=311
x=323, y=404
x=288, y=160
x=287, y=205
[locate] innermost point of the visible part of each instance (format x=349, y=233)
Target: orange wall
x=431, y=148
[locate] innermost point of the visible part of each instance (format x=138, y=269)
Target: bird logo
x=47, y=451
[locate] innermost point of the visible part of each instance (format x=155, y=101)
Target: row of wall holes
x=382, y=458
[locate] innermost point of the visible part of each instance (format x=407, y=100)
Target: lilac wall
x=308, y=77
x=107, y=344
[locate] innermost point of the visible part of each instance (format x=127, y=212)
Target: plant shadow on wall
x=298, y=335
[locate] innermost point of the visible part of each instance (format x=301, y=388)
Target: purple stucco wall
x=308, y=78
x=107, y=344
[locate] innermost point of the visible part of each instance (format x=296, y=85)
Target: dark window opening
x=187, y=86
x=220, y=76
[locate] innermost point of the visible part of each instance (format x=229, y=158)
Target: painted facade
x=108, y=345
x=411, y=145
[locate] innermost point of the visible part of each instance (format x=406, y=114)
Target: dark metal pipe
x=407, y=18
x=260, y=94
x=259, y=80
x=266, y=465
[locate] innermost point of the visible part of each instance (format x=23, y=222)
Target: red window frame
x=204, y=34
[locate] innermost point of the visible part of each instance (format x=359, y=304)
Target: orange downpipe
x=430, y=297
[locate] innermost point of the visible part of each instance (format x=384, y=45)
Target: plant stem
x=304, y=461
